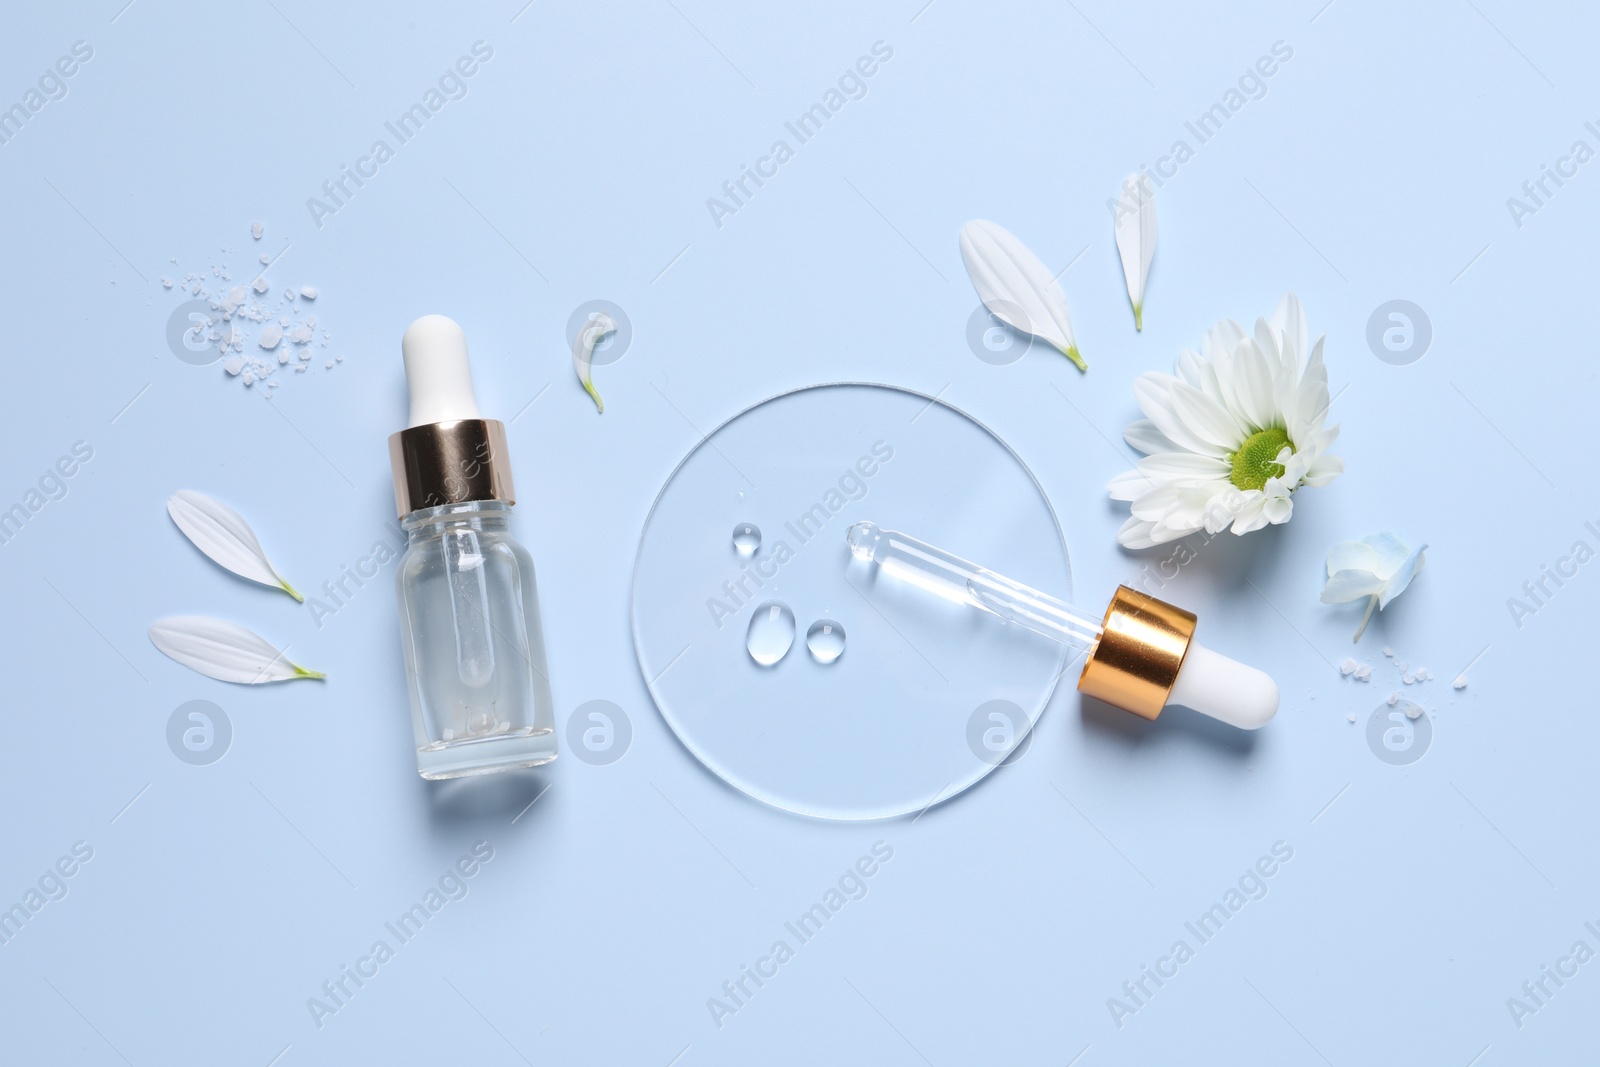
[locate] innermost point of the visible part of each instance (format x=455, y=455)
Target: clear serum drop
x=469, y=607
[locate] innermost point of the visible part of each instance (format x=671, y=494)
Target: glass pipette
x=1140, y=657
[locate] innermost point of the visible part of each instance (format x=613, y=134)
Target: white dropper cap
x=1224, y=689
x=438, y=373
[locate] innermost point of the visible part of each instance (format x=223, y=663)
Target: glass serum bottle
x=469, y=609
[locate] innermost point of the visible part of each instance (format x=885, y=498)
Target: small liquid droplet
x=771, y=633
x=746, y=538
x=825, y=639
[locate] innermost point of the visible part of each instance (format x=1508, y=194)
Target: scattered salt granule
x=340, y=359
x=1394, y=698
x=1351, y=716
x=256, y=230
x=1387, y=651
x=1347, y=666
x=1413, y=711
x=330, y=364
x=1421, y=674
x=241, y=314
x=1408, y=678
x=1364, y=673
x=1460, y=682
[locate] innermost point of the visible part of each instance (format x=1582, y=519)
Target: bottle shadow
x=498, y=799
x=1176, y=725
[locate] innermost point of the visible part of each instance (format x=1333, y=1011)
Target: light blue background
x=1377, y=166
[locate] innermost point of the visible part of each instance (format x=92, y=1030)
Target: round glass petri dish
x=912, y=699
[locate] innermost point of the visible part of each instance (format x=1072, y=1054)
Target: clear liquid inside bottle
x=474, y=647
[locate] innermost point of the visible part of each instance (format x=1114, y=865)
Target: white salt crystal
x=283, y=357
x=1394, y=698
x=266, y=259
x=1460, y=682
x=233, y=366
x=1422, y=674
x=300, y=335
x=260, y=285
x=1364, y=673
x=1408, y=678
x=1413, y=711
x=271, y=334
x=340, y=359
x=256, y=230
x=1347, y=666
x=1351, y=716
x=308, y=292
x=1387, y=651
x=166, y=283
x=249, y=377
x=330, y=364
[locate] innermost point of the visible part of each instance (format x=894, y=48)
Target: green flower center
x=1254, y=463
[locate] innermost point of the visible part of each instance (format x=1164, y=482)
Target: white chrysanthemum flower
x=1230, y=436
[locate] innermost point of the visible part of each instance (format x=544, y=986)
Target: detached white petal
x=589, y=335
x=224, y=650
x=221, y=533
x=1016, y=287
x=1376, y=568
x=1135, y=225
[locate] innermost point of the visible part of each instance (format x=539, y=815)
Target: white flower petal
x=1289, y=320
x=1251, y=513
x=1184, y=469
x=1129, y=485
x=1389, y=554
x=1324, y=469
x=1153, y=391
x=1352, y=556
x=1144, y=436
x=1136, y=239
x=1401, y=578
x=1016, y=286
x=1252, y=384
x=1345, y=586
x=589, y=335
x=1135, y=533
x=223, y=650
x=221, y=533
x=1206, y=418
x=1267, y=340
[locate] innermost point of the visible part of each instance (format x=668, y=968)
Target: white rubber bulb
x=438, y=373
x=1224, y=689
